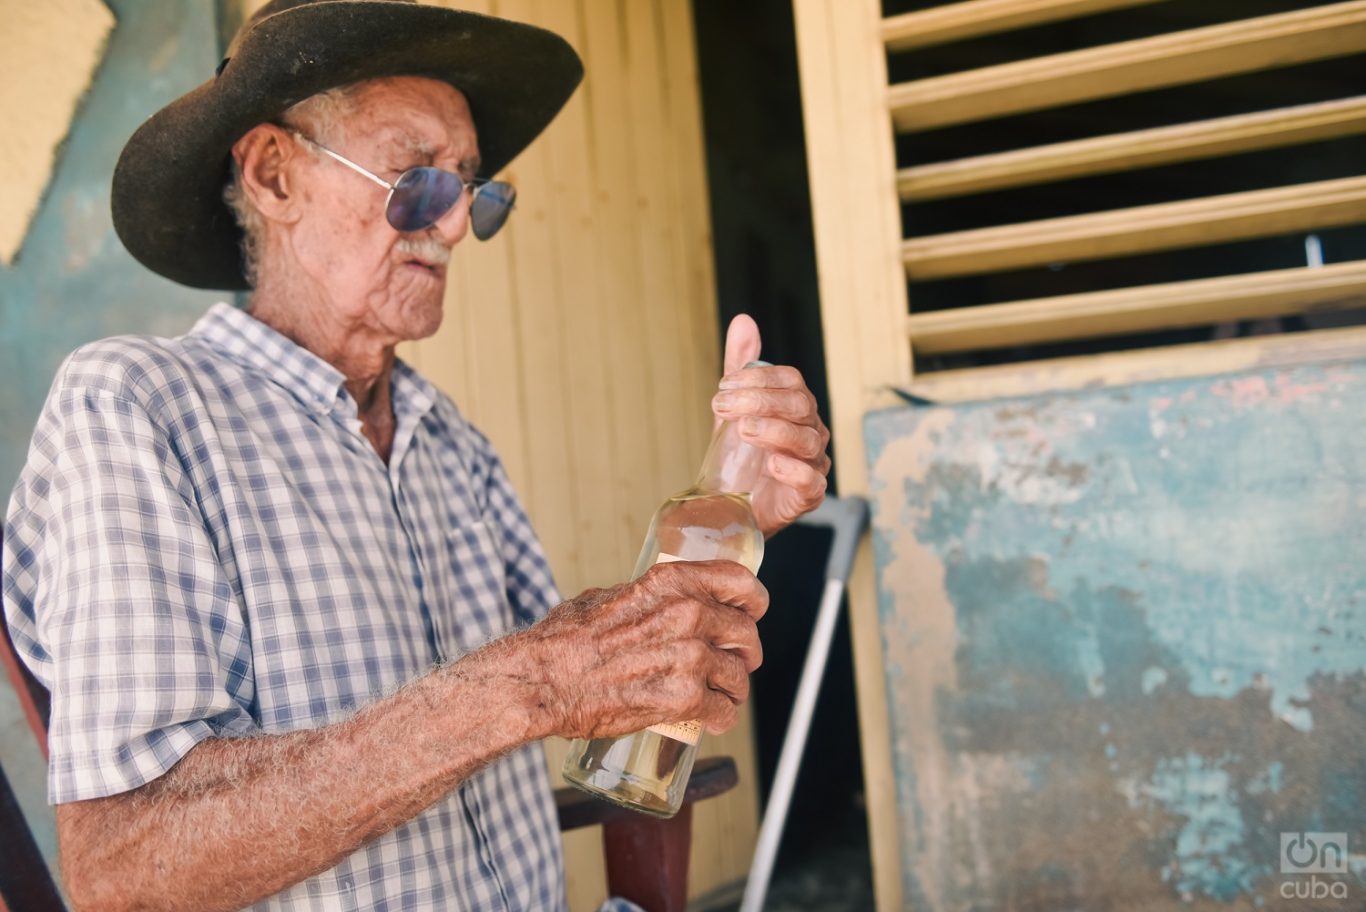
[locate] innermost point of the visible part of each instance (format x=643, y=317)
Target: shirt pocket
x=478, y=606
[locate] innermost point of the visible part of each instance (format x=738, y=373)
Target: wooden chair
x=647, y=858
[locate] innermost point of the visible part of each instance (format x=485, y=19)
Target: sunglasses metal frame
x=473, y=185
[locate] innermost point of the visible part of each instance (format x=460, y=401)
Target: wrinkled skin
x=678, y=643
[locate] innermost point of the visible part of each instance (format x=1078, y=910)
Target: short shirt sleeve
x=116, y=599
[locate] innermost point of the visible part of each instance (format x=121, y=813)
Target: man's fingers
x=720, y=581
x=800, y=440
x=796, y=406
x=729, y=675
x=732, y=630
x=809, y=481
x=780, y=376
x=719, y=713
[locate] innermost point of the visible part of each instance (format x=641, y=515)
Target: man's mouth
x=436, y=270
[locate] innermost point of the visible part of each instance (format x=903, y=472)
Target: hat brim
x=167, y=196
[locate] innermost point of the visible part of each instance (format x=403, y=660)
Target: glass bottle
x=648, y=771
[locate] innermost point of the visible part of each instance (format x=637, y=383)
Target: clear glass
x=648, y=771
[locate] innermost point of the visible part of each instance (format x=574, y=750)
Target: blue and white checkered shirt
x=203, y=543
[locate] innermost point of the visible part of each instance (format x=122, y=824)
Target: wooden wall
x=583, y=339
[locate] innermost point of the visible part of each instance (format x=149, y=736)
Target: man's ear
x=265, y=156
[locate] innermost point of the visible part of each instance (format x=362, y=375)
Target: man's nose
x=451, y=227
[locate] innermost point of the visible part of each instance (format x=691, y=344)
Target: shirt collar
x=412, y=393
x=251, y=343
x=314, y=382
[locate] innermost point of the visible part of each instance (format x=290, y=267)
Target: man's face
x=374, y=278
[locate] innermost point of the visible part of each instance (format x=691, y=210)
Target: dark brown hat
x=168, y=186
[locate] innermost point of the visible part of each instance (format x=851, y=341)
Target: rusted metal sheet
x=1125, y=641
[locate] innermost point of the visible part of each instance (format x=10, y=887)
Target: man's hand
x=776, y=411
x=676, y=644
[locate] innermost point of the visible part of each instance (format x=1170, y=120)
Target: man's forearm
x=237, y=820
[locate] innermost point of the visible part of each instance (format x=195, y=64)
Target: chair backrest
x=34, y=699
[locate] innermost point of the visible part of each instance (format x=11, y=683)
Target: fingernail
x=750, y=425
x=724, y=400
x=729, y=382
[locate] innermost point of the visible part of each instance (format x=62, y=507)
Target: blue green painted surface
x=1125, y=634
x=73, y=281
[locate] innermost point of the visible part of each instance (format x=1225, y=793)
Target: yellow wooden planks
x=546, y=484
x=1118, y=232
x=863, y=306
x=1131, y=66
x=624, y=327
x=695, y=269
x=1138, y=149
x=957, y=21
x=1145, y=307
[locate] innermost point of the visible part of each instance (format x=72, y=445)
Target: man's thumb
x=742, y=343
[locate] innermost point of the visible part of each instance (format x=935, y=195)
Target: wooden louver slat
x=1147, y=307
x=1141, y=229
x=956, y=21
x=1138, y=149
x=1132, y=66
x=1167, y=362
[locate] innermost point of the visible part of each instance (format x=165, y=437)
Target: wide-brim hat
x=168, y=185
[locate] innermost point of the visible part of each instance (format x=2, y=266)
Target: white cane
x=847, y=516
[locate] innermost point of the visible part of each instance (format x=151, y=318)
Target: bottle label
x=687, y=732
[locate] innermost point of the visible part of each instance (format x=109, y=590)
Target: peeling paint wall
x=55, y=45
x=72, y=281
x=1125, y=634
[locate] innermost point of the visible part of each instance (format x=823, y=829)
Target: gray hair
x=322, y=118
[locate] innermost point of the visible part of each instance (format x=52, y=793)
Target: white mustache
x=427, y=249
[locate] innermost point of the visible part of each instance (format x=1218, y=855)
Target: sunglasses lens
x=492, y=203
x=421, y=196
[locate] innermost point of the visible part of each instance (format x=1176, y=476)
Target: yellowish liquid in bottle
x=648, y=771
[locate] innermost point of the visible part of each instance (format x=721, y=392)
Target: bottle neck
x=732, y=465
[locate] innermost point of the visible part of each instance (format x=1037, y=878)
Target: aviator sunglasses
x=422, y=195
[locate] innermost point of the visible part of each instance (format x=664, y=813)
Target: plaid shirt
x=203, y=543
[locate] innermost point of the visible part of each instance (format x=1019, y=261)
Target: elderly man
x=301, y=640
